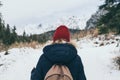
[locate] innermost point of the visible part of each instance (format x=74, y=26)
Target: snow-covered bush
x=6, y=53
x=117, y=62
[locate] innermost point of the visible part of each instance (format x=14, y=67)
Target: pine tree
x=0, y=24
x=24, y=37
x=13, y=35
x=7, y=35
x=112, y=19
x=109, y=3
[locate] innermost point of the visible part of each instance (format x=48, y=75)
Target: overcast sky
x=24, y=12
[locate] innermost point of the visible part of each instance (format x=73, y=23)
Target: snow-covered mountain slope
x=71, y=22
x=97, y=60
x=92, y=22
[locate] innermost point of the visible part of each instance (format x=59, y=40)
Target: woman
x=60, y=52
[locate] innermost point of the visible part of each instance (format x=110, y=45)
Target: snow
x=97, y=61
x=72, y=22
x=18, y=64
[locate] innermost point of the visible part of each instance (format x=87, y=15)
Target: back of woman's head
x=61, y=34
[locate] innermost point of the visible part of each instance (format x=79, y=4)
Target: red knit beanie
x=62, y=32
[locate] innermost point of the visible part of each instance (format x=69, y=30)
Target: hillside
x=98, y=44
x=39, y=33
x=107, y=18
x=49, y=35
x=72, y=22
x=97, y=60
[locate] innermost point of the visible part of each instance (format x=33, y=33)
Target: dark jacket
x=65, y=54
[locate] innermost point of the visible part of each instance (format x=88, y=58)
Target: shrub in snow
x=6, y=53
x=117, y=39
x=107, y=43
x=117, y=62
x=102, y=44
x=1, y=64
x=112, y=42
x=95, y=42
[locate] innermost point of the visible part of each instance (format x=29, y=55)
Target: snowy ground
x=98, y=61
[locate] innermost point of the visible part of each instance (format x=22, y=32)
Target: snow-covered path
x=18, y=64
x=97, y=62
